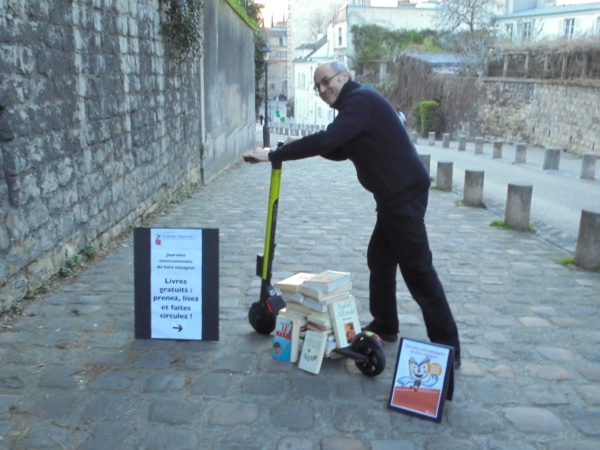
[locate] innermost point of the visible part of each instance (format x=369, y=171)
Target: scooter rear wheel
x=375, y=363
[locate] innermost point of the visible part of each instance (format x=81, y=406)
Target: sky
x=273, y=8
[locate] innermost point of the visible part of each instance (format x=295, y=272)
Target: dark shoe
x=387, y=337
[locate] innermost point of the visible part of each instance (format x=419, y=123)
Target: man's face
x=328, y=83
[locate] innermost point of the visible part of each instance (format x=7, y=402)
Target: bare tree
x=474, y=14
x=320, y=18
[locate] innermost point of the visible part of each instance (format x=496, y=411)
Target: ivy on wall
x=183, y=30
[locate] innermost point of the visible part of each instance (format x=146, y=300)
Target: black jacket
x=366, y=131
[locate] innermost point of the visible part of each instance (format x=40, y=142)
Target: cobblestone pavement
x=73, y=376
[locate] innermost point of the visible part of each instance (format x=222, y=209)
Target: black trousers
x=399, y=239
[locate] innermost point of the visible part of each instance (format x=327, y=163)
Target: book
x=298, y=308
x=330, y=345
x=313, y=351
x=295, y=297
x=287, y=338
x=344, y=317
x=301, y=318
x=327, y=281
x=324, y=296
x=315, y=305
x=320, y=319
x=293, y=283
x=321, y=306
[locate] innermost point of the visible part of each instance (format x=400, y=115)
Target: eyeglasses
x=325, y=82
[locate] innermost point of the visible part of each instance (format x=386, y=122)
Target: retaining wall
x=560, y=113
x=97, y=127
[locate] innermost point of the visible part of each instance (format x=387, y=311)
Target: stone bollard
x=521, y=153
x=446, y=140
x=473, y=192
x=478, y=145
x=414, y=136
x=587, y=251
x=551, y=158
x=518, y=206
x=426, y=159
x=431, y=138
x=497, y=149
x=588, y=166
x=462, y=143
x=444, y=175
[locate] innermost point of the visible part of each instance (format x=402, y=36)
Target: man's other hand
x=256, y=155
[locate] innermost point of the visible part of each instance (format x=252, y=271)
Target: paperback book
x=327, y=281
x=313, y=351
x=344, y=317
x=287, y=338
x=293, y=283
x=324, y=296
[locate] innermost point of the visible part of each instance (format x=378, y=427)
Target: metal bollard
x=497, y=149
x=462, y=143
x=443, y=179
x=588, y=166
x=426, y=160
x=473, y=192
x=431, y=138
x=587, y=250
x=521, y=153
x=446, y=140
x=478, y=145
x=551, y=158
x=518, y=206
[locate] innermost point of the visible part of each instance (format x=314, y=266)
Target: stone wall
x=97, y=127
x=557, y=113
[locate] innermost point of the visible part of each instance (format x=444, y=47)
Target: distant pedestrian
x=261, y=117
x=401, y=116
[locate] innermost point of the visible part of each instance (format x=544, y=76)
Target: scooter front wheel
x=370, y=346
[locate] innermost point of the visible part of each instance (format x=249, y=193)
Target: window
x=569, y=28
x=597, y=26
x=509, y=30
x=524, y=30
x=340, y=36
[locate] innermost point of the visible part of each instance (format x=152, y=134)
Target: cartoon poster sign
x=176, y=283
x=423, y=372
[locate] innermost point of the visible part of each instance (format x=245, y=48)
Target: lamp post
x=266, y=51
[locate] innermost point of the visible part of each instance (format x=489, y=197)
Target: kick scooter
x=263, y=313
x=366, y=349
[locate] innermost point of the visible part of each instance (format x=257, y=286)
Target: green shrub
x=416, y=114
x=427, y=117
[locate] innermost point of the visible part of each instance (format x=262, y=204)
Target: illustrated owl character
x=420, y=375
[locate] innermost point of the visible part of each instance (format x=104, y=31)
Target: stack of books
x=324, y=288
x=290, y=292
x=320, y=315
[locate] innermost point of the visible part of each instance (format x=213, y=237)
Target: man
x=367, y=132
x=401, y=116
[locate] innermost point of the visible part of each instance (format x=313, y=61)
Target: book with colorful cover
x=327, y=280
x=293, y=283
x=286, y=339
x=344, y=317
x=313, y=351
